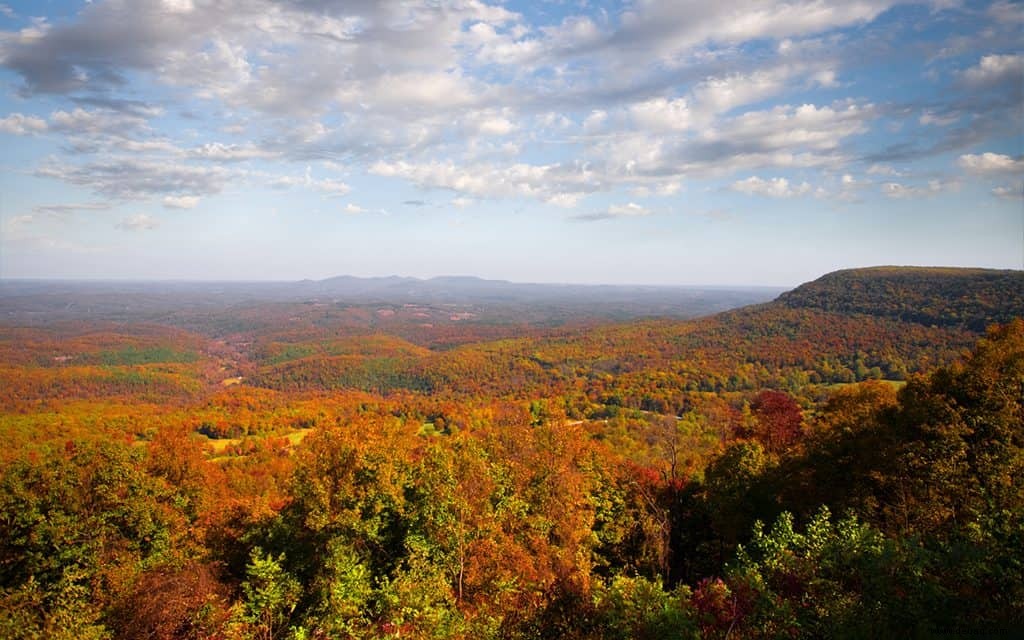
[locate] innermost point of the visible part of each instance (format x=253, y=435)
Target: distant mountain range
x=43, y=300
x=940, y=296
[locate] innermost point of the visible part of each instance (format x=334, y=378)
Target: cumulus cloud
x=995, y=69
x=21, y=125
x=490, y=122
x=989, y=163
x=180, y=202
x=772, y=187
x=465, y=96
x=809, y=126
x=661, y=114
x=553, y=183
x=726, y=92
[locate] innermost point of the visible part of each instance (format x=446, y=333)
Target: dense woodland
x=843, y=462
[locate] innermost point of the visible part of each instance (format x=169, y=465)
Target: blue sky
x=652, y=141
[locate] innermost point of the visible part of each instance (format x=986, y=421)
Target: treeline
x=873, y=513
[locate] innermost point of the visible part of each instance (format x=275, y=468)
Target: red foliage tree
x=779, y=420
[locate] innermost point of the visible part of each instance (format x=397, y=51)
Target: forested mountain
x=971, y=298
x=824, y=465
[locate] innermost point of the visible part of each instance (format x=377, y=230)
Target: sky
x=732, y=142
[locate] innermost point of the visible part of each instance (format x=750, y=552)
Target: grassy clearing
x=218, y=446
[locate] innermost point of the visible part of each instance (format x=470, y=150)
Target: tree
x=269, y=596
x=779, y=420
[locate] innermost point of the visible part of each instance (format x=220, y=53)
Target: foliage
x=318, y=477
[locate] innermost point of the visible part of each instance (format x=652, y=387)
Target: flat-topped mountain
x=941, y=296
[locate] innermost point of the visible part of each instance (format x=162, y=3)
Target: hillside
x=661, y=364
x=941, y=296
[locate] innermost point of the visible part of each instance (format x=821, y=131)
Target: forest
x=845, y=461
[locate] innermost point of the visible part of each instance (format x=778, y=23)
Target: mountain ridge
x=941, y=296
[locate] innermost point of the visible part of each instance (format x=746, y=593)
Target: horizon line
x=129, y=280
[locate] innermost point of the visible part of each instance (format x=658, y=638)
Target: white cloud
x=489, y=122
x=721, y=94
x=988, y=163
x=138, y=222
x=628, y=210
x=462, y=95
x=81, y=122
x=354, y=209
x=996, y=68
x=21, y=125
x=1009, y=192
x=329, y=186
x=808, y=126
x=505, y=48
x=595, y=120
x=661, y=114
x=899, y=191
x=773, y=187
x=552, y=183
x=661, y=188
x=178, y=6
x=230, y=152
x=667, y=28
x=882, y=170
x=929, y=118
x=1006, y=12
x=180, y=202
x=408, y=91
x=129, y=178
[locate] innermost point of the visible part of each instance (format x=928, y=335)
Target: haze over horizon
x=129, y=280
x=652, y=142
x=444, y=276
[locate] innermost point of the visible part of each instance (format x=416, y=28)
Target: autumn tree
x=779, y=420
